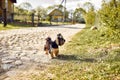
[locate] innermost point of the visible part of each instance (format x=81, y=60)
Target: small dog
x=52, y=47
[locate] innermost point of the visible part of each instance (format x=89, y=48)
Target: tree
x=25, y=6
x=88, y=13
x=4, y=14
x=88, y=6
x=78, y=15
x=41, y=12
x=115, y=3
x=18, y=10
x=24, y=9
x=110, y=14
x=60, y=7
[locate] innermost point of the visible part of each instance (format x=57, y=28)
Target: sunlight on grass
x=7, y=27
x=95, y=56
x=14, y=26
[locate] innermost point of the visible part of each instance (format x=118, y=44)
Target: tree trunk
x=4, y=17
x=32, y=19
x=115, y=3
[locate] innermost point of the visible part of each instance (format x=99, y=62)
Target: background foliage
x=110, y=14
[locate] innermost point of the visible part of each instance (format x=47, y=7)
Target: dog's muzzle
x=61, y=41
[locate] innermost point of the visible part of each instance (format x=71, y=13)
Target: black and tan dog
x=52, y=47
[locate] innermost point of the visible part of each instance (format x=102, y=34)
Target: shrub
x=110, y=15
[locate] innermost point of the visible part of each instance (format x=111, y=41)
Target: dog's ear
x=59, y=34
x=48, y=38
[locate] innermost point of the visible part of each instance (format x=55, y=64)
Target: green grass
x=18, y=25
x=90, y=55
x=14, y=26
x=91, y=42
x=7, y=27
x=80, y=71
x=56, y=23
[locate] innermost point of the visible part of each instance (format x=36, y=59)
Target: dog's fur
x=52, y=47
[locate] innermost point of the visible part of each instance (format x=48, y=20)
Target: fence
x=27, y=19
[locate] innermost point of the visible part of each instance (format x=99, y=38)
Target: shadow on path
x=75, y=58
x=65, y=26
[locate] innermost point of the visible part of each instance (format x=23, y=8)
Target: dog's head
x=60, y=40
x=48, y=43
x=48, y=40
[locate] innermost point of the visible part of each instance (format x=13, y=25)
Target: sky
x=71, y=4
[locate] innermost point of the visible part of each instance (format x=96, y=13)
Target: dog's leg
x=47, y=52
x=56, y=51
x=52, y=56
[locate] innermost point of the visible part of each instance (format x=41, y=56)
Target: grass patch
x=90, y=55
x=7, y=27
x=90, y=43
x=80, y=71
x=18, y=25
x=15, y=26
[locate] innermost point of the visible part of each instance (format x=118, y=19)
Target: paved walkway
x=21, y=48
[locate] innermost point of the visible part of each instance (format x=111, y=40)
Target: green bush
x=110, y=15
x=90, y=18
x=89, y=14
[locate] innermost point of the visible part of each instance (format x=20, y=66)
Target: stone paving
x=20, y=48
